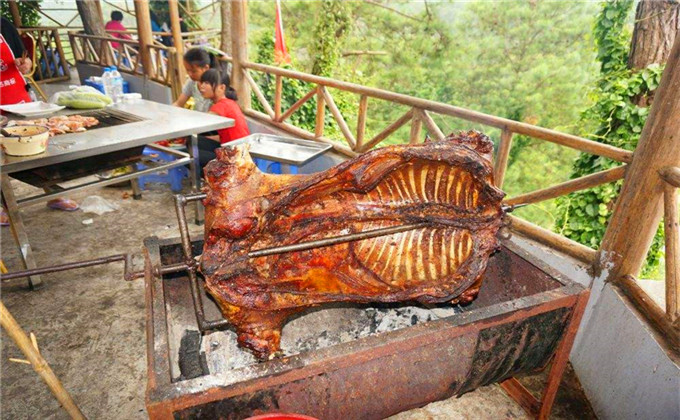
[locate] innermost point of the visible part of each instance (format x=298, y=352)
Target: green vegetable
x=83, y=100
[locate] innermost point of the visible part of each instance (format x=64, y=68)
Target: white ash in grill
x=321, y=328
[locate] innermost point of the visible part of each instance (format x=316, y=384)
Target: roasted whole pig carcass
x=446, y=185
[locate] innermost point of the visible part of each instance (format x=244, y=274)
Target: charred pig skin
x=448, y=185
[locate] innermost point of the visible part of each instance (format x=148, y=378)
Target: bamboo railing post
x=672, y=232
x=239, y=51
x=501, y=164
x=320, y=112
x=416, y=125
x=60, y=50
x=553, y=240
x=432, y=127
x=361, y=121
x=258, y=93
x=145, y=36
x=389, y=130
x=568, y=187
x=277, y=98
x=39, y=364
x=176, y=31
x=297, y=105
x=625, y=244
x=338, y=117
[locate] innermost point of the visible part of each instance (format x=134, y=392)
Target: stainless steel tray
x=282, y=149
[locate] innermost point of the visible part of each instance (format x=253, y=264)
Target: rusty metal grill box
x=513, y=327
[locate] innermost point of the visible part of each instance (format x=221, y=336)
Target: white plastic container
x=25, y=140
x=107, y=81
x=116, y=85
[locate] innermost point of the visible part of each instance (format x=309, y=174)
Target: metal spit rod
x=191, y=265
x=302, y=246
x=68, y=266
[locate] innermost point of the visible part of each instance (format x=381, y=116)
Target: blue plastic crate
x=271, y=167
x=100, y=86
x=172, y=176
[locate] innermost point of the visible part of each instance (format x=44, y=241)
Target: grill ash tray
x=334, y=354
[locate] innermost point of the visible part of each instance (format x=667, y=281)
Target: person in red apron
x=12, y=82
x=13, y=91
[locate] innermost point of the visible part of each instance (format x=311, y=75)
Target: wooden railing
x=97, y=50
x=52, y=64
x=671, y=176
x=665, y=321
x=210, y=36
x=419, y=115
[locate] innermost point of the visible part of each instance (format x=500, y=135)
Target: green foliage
x=162, y=10
x=27, y=9
x=612, y=36
x=332, y=26
x=292, y=89
x=615, y=119
x=529, y=61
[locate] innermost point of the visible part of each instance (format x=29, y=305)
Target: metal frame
x=19, y=231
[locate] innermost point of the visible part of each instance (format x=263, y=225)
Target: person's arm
x=181, y=100
x=125, y=36
x=184, y=96
x=214, y=137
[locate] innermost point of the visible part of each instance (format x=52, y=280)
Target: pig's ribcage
x=420, y=256
x=402, y=260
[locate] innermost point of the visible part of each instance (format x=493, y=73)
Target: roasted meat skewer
x=444, y=189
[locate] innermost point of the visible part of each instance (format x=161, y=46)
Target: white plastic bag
x=97, y=205
x=81, y=97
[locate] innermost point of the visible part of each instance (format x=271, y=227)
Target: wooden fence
x=665, y=321
x=51, y=60
x=420, y=115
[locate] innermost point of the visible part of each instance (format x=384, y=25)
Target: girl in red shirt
x=215, y=85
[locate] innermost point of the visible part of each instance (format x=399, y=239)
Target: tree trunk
x=225, y=37
x=92, y=19
x=639, y=207
x=16, y=14
x=657, y=22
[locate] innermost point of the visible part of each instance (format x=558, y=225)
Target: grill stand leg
x=19, y=232
x=195, y=176
x=136, y=191
x=541, y=409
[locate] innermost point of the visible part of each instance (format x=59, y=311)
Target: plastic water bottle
x=117, y=85
x=107, y=82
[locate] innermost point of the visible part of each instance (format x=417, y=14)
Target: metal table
x=160, y=122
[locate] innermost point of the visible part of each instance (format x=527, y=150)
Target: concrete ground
x=90, y=323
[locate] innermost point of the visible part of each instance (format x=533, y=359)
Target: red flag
x=280, y=51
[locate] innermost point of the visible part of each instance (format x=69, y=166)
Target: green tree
x=292, y=89
x=28, y=10
x=332, y=25
x=526, y=61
